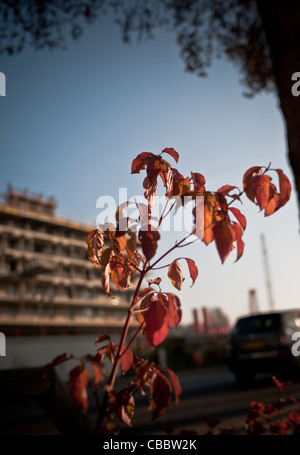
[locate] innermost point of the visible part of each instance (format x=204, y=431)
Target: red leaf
x=181, y=187
x=263, y=190
x=160, y=394
x=279, y=428
x=105, y=257
x=109, y=350
x=142, y=294
x=225, y=190
x=126, y=360
x=257, y=186
x=285, y=188
x=79, y=380
x=239, y=216
x=192, y=269
x=97, y=365
x=175, y=274
x=121, y=271
x=294, y=417
x=281, y=385
x=173, y=304
x=155, y=166
x=175, y=384
x=169, y=179
x=237, y=236
x=125, y=412
x=156, y=281
x=210, y=207
x=248, y=182
x=95, y=242
x=150, y=191
x=273, y=203
x=149, y=241
x=121, y=210
x=156, y=319
x=102, y=338
x=171, y=152
x=199, y=183
x=105, y=281
x=223, y=237
x=139, y=163
x=59, y=359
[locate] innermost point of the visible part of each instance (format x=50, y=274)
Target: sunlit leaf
x=223, y=238
x=139, y=163
x=171, y=152
x=175, y=274
x=285, y=188
x=199, y=183
x=122, y=271
x=156, y=280
x=105, y=281
x=237, y=236
x=95, y=242
x=156, y=319
x=142, y=294
x=149, y=241
x=150, y=191
x=173, y=304
x=239, y=216
x=192, y=269
x=226, y=189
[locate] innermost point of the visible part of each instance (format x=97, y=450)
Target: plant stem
x=112, y=378
x=170, y=250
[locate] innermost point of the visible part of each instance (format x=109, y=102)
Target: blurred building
x=48, y=286
x=210, y=321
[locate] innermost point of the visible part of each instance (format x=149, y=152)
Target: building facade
x=48, y=286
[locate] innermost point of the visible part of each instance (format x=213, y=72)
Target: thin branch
x=189, y=243
x=118, y=355
x=132, y=263
x=133, y=337
x=161, y=267
x=170, y=250
x=163, y=214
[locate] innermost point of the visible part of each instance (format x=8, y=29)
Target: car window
x=292, y=321
x=258, y=324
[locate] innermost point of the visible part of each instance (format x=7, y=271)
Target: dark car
x=262, y=343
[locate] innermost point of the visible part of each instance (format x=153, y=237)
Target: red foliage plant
x=128, y=249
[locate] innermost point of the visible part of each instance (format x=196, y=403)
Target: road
x=212, y=392
x=207, y=392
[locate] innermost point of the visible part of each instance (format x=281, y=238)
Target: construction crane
x=267, y=272
x=253, y=304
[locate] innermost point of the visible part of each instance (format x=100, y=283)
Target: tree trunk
x=281, y=22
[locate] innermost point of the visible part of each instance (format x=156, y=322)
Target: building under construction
x=47, y=284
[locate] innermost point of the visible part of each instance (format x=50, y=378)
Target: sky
x=73, y=120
